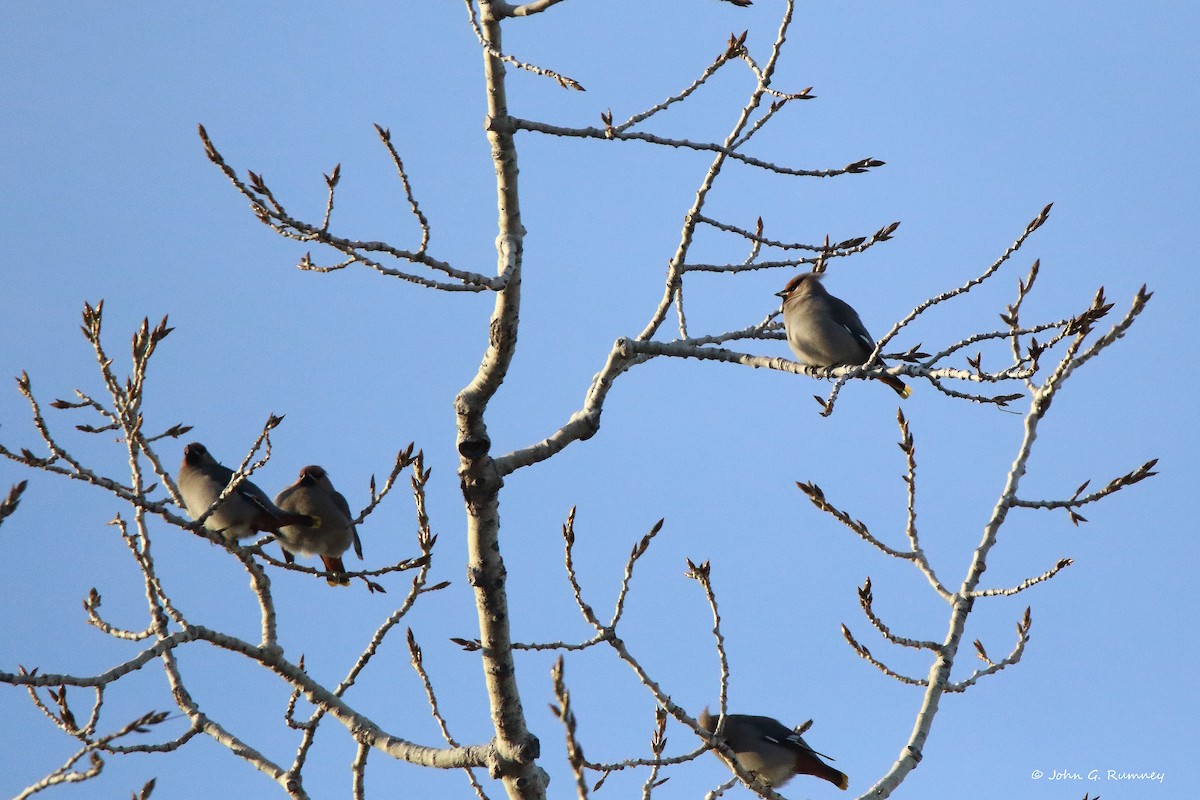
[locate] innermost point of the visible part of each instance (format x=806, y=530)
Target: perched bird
x=824, y=331
x=776, y=754
x=313, y=494
x=247, y=509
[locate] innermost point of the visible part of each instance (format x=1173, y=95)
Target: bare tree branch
x=515, y=748
x=1043, y=356
x=525, y=9
x=489, y=38
x=272, y=214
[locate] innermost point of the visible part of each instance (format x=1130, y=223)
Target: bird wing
x=848, y=318
x=258, y=497
x=776, y=732
x=246, y=490
x=340, y=501
x=771, y=729
x=796, y=741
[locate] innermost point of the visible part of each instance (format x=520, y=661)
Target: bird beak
x=781, y=294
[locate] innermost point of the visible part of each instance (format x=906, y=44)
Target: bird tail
x=334, y=565
x=272, y=519
x=286, y=518
x=838, y=779
x=900, y=387
x=807, y=763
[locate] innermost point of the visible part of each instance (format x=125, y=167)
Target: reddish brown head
x=803, y=283
x=195, y=454
x=311, y=474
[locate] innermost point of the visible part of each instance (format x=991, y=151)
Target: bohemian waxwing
x=824, y=331
x=773, y=752
x=247, y=509
x=313, y=494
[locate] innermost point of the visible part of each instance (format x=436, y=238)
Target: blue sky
x=983, y=114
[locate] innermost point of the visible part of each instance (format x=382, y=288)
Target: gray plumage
x=824, y=331
x=246, y=511
x=775, y=753
x=313, y=494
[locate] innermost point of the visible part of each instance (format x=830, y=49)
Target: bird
x=772, y=751
x=313, y=494
x=245, y=511
x=824, y=331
